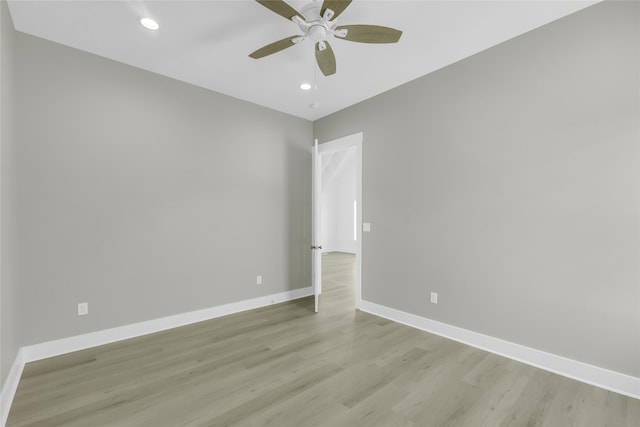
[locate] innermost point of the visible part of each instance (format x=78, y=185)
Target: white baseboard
x=610, y=380
x=10, y=387
x=106, y=336
x=44, y=350
x=599, y=377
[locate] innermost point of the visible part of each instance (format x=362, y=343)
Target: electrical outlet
x=83, y=308
x=434, y=298
x=258, y=280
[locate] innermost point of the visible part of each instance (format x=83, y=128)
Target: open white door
x=316, y=247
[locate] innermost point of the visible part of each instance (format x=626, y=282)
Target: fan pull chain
x=315, y=76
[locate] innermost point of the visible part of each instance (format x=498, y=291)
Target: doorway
x=340, y=204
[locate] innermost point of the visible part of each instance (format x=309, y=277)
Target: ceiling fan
x=318, y=22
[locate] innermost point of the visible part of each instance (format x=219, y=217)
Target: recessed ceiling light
x=149, y=23
x=315, y=105
x=305, y=86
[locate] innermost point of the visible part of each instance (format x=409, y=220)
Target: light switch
x=83, y=308
x=366, y=226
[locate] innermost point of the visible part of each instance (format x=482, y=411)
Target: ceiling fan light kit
x=318, y=23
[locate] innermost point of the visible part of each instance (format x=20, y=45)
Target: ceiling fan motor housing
x=315, y=26
x=317, y=33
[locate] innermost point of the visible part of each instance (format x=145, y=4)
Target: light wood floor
x=285, y=366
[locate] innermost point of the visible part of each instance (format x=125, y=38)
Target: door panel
x=316, y=246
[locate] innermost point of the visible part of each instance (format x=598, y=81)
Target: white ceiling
x=207, y=42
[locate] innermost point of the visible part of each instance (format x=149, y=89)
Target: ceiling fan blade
x=370, y=34
x=281, y=8
x=326, y=59
x=273, y=47
x=338, y=6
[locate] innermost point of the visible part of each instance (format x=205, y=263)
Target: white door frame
x=316, y=221
x=340, y=144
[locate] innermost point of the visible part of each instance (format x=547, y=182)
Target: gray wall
x=147, y=197
x=509, y=184
x=9, y=338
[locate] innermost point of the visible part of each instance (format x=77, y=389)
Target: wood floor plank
x=498, y=396
x=285, y=366
x=534, y=401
